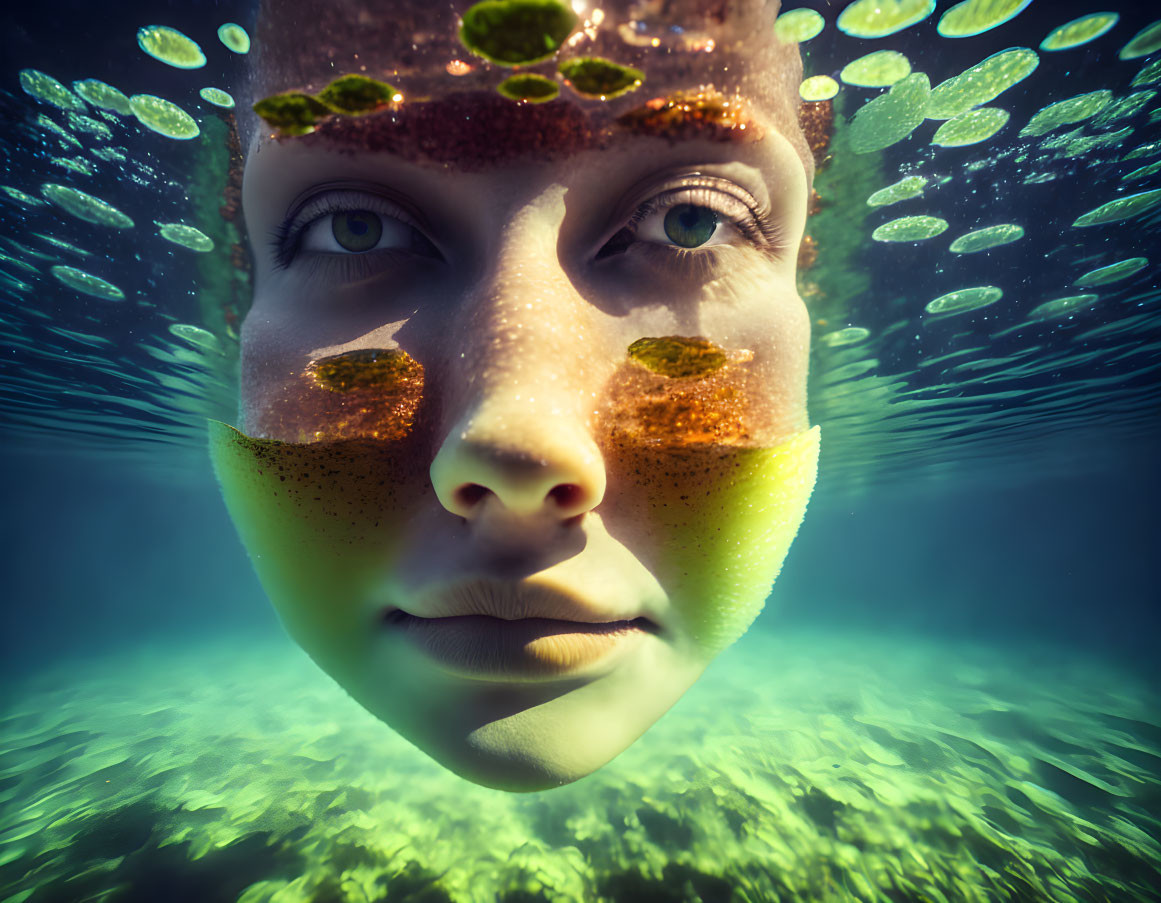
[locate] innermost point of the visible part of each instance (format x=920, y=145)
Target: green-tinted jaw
x=517, y=32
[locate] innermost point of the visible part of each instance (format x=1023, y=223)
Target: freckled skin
x=524, y=444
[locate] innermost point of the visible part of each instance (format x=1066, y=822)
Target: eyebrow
x=476, y=131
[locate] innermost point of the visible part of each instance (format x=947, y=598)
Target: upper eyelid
x=326, y=203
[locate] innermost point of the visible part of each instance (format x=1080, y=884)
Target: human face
x=504, y=528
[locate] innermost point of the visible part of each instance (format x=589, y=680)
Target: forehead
x=711, y=70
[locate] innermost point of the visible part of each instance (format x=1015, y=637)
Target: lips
x=492, y=629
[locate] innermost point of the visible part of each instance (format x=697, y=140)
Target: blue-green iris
x=689, y=226
x=357, y=230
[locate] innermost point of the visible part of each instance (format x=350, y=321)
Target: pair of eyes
x=357, y=230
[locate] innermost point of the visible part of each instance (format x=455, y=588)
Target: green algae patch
x=879, y=18
x=1143, y=172
x=78, y=165
x=368, y=368
x=48, y=90
x=1144, y=42
x=292, y=113
x=965, y=299
x=798, y=25
x=21, y=197
x=102, y=95
x=1149, y=75
x=1124, y=108
x=1067, y=112
x=87, y=283
x=62, y=133
x=62, y=245
x=1079, y=31
x=909, y=187
x=234, y=37
x=170, y=46
x=1114, y=272
x=1058, y=307
x=818, y=87
x=592, y=76
x=163, y=117
x=1121, y=208
x=186, y=236
x=529, y=88
x=891, y=117
x=910, y=228
x=516, y=32
x=81, y=123
x=356, y=95
x=677, y=356
x=85, y=206
x=880, y=69
x=970, y=127
x=1145, y=150
x=108, y=154
x=217, y=97
x=990, y=237
x=982, y=83
x=840, y=338
x=973, y=17
x=195, y=335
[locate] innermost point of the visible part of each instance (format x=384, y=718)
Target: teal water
x=951, y=694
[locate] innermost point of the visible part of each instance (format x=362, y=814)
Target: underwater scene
x=642, y=450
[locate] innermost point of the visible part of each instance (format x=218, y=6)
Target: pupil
x=689, y=225
x=357, y=230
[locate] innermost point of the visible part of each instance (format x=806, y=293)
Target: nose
x=525, y=460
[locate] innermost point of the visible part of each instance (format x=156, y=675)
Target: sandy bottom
x=805, y=767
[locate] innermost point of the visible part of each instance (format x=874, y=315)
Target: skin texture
x=451, y=424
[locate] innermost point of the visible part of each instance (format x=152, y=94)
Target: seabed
x=803, y=767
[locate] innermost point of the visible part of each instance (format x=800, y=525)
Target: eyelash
x=756, y=227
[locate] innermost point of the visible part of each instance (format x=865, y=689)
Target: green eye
x=357, y=230
x=689, y=226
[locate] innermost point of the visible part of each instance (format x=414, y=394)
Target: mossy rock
x=678, y=356
x=594, y=77
x=356, y=95
x=516, y=32
x=292, y=113
x=529, y=88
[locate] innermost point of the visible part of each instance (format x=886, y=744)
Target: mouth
x=487, y=647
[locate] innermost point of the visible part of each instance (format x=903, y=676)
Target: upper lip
x=509, y=600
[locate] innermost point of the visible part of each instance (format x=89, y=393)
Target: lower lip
x=529, y=648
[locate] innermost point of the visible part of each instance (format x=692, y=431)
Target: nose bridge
x=522, y=384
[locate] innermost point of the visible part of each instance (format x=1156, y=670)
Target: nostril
x=470, y=494
x=566, y=495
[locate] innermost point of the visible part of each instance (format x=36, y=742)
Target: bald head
x=709, y=65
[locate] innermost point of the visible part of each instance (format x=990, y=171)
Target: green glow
x=910, y=187
x=76, y=164
x=1121, y=208
x=818, y=87
x=851, y=335
x=876, y=70
x=1058, y=307
x=1079, y=31
x=1114, y=272
x=1145, y=150
x=47, y=89
x=1149, y=75
x=910, y=228
x=529, y=88
x=879, y=18
x=1124, y=108
x=798, y=25
x=234, y=37
x=217, y=97
x=102, y=95
x=1144, y=42
x=195, y=335
x=891, y=117
x=596, y=77
x=990, y=237
x=1066, y=112
x=964, y=299
x=186, y=236
x=970, y=127
x=170, y=46
x=87, y=284
x=972, y=17
x=982, y=83
x=85, y=206
x=163, y=117
x=516, y=32
x=17, y=195
x=1151, y=170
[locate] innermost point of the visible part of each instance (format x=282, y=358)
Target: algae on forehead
x=604, y=79
x=516, y=32
x=529, y=87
